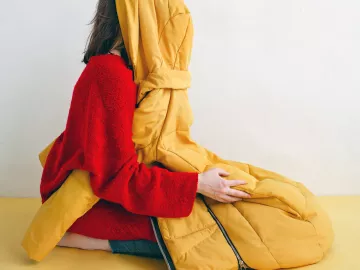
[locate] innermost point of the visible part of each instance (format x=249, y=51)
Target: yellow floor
x=15, y=215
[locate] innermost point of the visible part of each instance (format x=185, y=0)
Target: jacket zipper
x=242, y=265
x=167, y=258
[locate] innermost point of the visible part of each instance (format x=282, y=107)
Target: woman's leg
x=74, y=240
x=141, y=248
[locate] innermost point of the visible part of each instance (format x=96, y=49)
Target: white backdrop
x=275, y=83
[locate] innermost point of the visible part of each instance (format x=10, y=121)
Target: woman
x=105, y=96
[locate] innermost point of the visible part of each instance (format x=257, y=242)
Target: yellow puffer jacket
x=281, y=226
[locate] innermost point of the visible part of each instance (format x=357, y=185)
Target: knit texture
x=98, y=139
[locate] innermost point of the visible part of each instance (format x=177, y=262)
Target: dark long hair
x=106, y=32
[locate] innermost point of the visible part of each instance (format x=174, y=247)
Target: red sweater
x=98, y=139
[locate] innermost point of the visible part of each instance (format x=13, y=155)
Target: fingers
x=228, y=199
x=237, y=193
x=234, y=183
x=222, y=172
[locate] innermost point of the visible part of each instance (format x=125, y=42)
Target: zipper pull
x=243, y=266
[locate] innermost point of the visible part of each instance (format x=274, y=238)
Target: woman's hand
x=212, y=185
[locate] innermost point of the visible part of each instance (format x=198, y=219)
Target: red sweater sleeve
x=109, y=152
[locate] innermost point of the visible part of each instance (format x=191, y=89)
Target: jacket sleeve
x=110, y=155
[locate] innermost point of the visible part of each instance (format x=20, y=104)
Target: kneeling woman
x=98, y=139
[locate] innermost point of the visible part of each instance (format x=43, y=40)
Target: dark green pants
x=141, y=248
